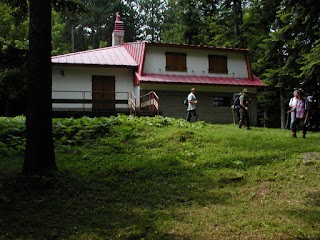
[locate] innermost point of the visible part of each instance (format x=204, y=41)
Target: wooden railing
x=132, y=103
x=85, y=99
x=150, y=101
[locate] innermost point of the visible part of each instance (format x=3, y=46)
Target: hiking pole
x=232, y=110
x=285, y=128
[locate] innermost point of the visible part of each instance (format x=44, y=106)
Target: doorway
x=103, y=88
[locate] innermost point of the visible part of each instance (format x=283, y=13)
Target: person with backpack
x=244, y=109
x=301, y=110
x=236, y=105
x=192, y=106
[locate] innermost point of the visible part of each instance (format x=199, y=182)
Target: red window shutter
x=218, y=64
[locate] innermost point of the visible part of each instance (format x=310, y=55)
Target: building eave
x=198, y=47
x=94, y=65
x=199, y=80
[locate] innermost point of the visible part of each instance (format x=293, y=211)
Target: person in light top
x=192, y=106
x=301, y=110
x=292, y=104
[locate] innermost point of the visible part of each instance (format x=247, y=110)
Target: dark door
x=103, y=88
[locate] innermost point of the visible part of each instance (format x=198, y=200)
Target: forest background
x=283, y=37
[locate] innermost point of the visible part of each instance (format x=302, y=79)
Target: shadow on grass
x=107, y=204
x=310, y=217
x=243, y=162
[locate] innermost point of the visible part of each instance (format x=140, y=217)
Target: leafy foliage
x=19, y=9
x=59, y=45
x=12, y=134
x=12, y=77
x=72, y=131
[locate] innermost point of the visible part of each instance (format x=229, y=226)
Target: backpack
x=236, y=100
x=185, y=101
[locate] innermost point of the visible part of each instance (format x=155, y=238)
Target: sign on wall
x=221, y=101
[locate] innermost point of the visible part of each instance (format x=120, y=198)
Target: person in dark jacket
x=244, y=109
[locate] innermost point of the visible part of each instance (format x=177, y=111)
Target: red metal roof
x=110, y=56
x=137, y=50
x=187, y=79
x=133, y=55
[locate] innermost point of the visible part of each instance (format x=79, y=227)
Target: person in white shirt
x=301, y=110
x=292, y=104
x=192, y=106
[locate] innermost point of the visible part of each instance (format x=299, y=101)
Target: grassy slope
x=181, y=181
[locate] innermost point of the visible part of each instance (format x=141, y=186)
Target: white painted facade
x=76, y=83
x=197, y=62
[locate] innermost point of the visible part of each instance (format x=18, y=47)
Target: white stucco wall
x=197, y=62
x=79, y=80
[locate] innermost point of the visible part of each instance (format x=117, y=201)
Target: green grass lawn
x=161, y=178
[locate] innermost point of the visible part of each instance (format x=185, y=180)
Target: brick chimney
x=118, y=32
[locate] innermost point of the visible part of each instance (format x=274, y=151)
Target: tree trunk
x=39, y=152
x=6, y=101
x=265, y=116
x=72, y=37
x=282, y=109
x=235, y=19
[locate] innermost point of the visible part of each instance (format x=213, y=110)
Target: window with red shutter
x=218, y=64
x=176, y=61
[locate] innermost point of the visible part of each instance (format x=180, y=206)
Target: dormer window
x=218, y=64
x=176, y=61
